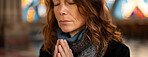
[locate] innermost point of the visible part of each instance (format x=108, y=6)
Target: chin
x=66, y=30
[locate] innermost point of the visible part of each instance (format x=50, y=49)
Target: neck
x=72, y=33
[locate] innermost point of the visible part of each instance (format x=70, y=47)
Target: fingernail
x=59, y=46
x=64, y=40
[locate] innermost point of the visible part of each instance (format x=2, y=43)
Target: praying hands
x=62, y=49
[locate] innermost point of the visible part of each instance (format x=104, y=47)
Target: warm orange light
x=42, y=2
x=129, y=7
x=144, y=8
x=30, y=15
x=25, y=3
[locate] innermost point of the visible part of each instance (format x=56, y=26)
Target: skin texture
x=62, y=49
x=68, y=16
x=96, y=21
x=70, y=21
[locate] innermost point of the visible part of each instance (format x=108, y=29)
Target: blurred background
x=21, y=22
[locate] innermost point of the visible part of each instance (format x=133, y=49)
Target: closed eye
x=56, y=4
x=71, y=3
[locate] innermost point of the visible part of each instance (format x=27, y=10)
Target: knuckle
x=70, y=50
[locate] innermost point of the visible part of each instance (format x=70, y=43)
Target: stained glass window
x=131, y=9
x=32, y=10
x=110, y=3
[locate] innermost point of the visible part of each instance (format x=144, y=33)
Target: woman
x=80, y=28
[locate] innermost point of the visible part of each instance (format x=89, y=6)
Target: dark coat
x=115, y=49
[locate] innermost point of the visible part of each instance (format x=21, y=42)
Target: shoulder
x=117, y=49
x=44, y=53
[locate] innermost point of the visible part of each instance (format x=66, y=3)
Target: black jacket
x=115, y=49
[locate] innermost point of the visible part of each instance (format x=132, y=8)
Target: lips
x=64, y=21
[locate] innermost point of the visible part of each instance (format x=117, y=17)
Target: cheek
x=80, y=22
x=56, y=14
x=80, y=19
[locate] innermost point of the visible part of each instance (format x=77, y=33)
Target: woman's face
x=67, y=15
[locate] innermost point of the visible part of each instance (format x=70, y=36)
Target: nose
x=63, y=9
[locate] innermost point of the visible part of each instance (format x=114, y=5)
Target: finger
x=68, y=49
x=59, y=55
x=61, y=51
x=58, y=42
x=64, y=46
x=69, y=53
x=55, y=51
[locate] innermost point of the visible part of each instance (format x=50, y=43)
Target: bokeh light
x=33, y=10
x=131, y=9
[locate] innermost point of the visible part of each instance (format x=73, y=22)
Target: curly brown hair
x=98, y=28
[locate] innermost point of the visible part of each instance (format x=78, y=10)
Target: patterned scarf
x=81, y=46
x=62, y=35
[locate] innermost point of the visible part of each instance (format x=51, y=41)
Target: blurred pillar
x=2, y=23
x=1, y=33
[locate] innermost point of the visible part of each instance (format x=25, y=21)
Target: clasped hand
x=62, y=49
